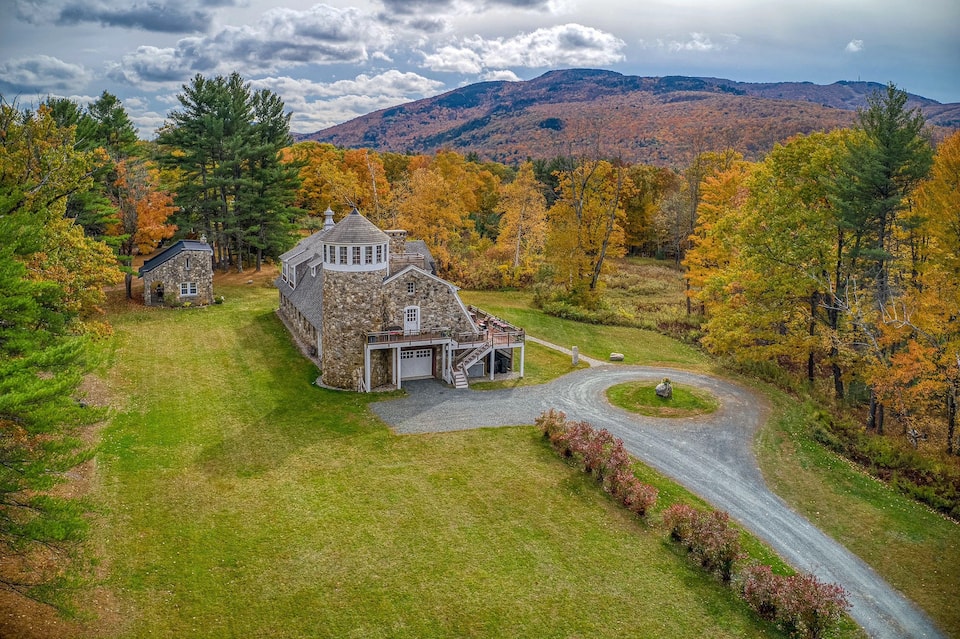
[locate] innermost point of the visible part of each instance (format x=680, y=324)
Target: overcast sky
x=333, y=61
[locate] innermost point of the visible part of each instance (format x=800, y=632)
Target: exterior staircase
x=467, y=360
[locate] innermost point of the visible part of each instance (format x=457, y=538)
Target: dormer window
x=343, y=254
x=379, y=254
x=368, y=255
x=356, y=255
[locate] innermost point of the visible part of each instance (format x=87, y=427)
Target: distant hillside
x=661, y=121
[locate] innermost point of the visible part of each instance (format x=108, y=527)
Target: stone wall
x=173, y=272
x=439, y=303
x=351, y=308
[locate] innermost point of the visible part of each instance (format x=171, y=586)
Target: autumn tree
x=586, y=226
x=523, y=225
x=881, y=169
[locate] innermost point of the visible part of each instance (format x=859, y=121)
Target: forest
x=830, y=267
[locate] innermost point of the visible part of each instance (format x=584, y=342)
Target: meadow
x=236, y=498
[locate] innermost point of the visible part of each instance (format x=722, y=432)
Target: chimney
x=398, y=242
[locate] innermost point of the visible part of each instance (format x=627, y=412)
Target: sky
x=333, y=61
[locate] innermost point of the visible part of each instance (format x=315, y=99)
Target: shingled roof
x=173, y=251
x=355, y=229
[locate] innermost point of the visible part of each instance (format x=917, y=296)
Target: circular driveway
x=711, y=455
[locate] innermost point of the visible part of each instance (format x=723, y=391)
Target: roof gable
x=171, y=252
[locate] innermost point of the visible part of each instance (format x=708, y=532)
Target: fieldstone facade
x=180, y=274
x=370, y=306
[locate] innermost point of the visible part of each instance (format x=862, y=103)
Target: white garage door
x=416, y=362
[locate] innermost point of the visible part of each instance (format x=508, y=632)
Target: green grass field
x=236, y=499
x=642, y=398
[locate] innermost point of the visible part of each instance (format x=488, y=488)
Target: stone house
x=369, y=306
x=181, y=273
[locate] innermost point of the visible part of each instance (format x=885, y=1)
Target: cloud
x=42, y=73
x=854, y=46
x=697, y=42
x=561, y=45
x=160, y=16
x=318, y=105
x=432, y=7
x=283, y=38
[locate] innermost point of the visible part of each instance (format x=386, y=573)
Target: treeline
x=834, y=261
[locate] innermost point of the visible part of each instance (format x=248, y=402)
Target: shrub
x=600, y=454
x=802, y=604
x=808, y=607
x=707, y=536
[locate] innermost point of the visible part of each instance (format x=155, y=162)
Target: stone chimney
x=398, y=241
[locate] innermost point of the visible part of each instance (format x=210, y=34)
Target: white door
x=411, y=319
x=416, y=362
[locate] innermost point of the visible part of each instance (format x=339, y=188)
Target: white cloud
x=854, y=46
x=501, y=74
x=561, y=45
x=699, y=42
x=317, y=105
x=283, y=38
x=40, y=73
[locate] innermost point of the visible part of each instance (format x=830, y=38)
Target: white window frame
x=188, y=289
x=356, y=257
x=343, y=255
x=379, y=253
x=368, y=255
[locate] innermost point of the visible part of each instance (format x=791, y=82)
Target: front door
x=411, y=320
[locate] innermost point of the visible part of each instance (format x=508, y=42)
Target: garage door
x=416, y=362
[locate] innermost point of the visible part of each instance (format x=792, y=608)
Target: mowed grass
x=637, y=345
x=642, y=398
x=236, y=499
x=912, y=547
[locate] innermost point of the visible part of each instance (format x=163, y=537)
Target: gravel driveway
x=710, y=455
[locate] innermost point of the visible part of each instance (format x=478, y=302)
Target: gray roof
x=173, y=251
x=419, y=246
x=307, y=297
x=355, y=229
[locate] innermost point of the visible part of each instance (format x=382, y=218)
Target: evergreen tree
x=226, y=140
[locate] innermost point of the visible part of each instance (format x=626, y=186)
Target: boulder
x=664, y=389
x=616, y=357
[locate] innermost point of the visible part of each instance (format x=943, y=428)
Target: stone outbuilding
x=370, y=308
x=179, y=274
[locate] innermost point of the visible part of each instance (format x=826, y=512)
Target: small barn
x=179, y=274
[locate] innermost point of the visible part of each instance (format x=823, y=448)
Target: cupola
x=355, y=245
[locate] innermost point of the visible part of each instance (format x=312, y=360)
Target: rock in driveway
x=664, y=389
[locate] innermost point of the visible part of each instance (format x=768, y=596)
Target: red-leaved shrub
x=805, y=606
x=708, y=536
x=600, y=454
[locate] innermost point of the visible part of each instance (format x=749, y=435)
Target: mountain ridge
x=654, y=120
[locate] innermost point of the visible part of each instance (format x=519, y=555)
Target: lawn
x=642, y=398
x=637, y=345
x=237, y=499
x=912, y=547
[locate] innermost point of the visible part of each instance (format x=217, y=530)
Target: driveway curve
x=711, y=455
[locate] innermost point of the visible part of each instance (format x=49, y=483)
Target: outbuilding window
x=188, y=289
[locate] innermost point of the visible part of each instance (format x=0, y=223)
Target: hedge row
x=801, y=604
x=600, y=454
